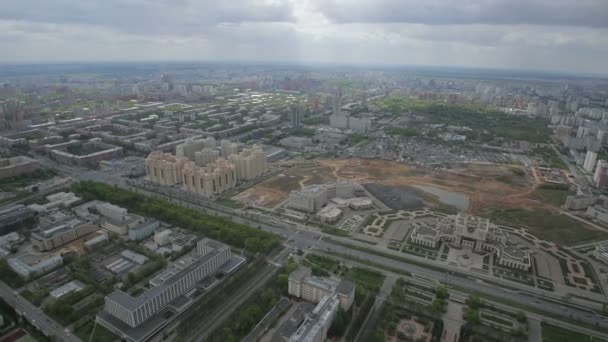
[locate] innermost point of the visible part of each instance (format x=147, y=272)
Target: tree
x=471, y=316
x=438, y=305
x=378, y=336
x=474, y=301
x=442, y=292
x=521, y=317
x=340, y=323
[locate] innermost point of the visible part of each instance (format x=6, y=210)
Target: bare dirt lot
x=486, y=185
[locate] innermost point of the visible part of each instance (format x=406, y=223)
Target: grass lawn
x=101, y=334
x=555, y=197
x=366, y=278
x=552, y=333
x=550, y=226
x=323, y=262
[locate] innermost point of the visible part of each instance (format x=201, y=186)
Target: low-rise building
x=27, y=271
x=57, y=200
x=68, y=288
x=598, y=212
x=56, y=236
x=16, y=166
x=143, y=230
x=14, y=217
x=329, y=214
x=601, y=252
x=578, y=202
x=475, y=233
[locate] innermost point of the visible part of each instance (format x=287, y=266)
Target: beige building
x=215, y=177
x=228, y=148
x=303, y=284
x=206, y=156
x=210, y=180
x=164, y=168
x=250, y=163
x=57, y=236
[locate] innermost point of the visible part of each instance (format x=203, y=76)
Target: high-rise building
x=590, y=160
x=211, y=180
x=164, y=169
x=296, y=116
x=600, y=177
x=228, y=148
x=206, y=156
x=206, y=176
x=12, y=114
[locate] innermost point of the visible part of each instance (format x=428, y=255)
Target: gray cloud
x=147, y=16
x=590, y=13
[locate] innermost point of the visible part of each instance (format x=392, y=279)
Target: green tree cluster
x=218, y=228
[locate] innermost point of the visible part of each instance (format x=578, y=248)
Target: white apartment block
x=303, y=284
x=135, y=310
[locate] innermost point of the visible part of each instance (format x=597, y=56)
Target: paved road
x=300, y=236
x=35, y=315
x=370, y=320
x=222, y=313
x=452, y=322
x=534, y=329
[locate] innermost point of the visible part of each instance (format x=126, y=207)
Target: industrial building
x=27, y=271
x=56, y=236
x=174, y=282
x=14, y=217
x=109, y=217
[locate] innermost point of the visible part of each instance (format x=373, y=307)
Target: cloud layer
x=528, y=34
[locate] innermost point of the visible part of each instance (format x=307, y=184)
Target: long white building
x=135, y=310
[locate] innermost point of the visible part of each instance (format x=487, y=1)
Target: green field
x=556, y=197
x=552, y=333
x=486, y=124
x=550, y=226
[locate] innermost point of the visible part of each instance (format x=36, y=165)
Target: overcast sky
x=564, y=35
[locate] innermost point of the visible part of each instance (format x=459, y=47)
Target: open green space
x=101, y=334
x=12, y=183
x=487, y=124
x=197, y=221
x=550, y=157
x=553, y=194
x=548, y=225
x=365, y=278
x=553, y=333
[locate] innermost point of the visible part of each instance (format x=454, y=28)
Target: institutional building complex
x=176, y=281
x=329, y=294
x=206, y=173
x=303, y=284
x=475, y=233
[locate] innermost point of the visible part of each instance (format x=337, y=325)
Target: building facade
x=135, y=310
x=303, y=284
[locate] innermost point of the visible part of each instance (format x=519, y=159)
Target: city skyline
x=559, y=36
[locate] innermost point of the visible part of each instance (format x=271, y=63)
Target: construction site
x=468, y=187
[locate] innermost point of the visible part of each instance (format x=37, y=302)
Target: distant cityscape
x=255, y=202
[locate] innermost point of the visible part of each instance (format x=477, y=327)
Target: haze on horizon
x=553, y=35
